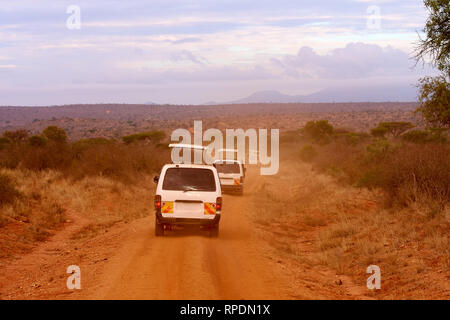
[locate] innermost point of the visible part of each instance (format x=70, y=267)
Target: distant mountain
x=268, y=97
x=336, y=94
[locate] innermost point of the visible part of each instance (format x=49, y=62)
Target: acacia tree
x=434, y=93
x=434, y=98
x=437, y=30
x=320, y=130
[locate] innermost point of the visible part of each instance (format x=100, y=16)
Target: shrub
x=378, y=150
x=82, y=145
x=418, y=173
x=16, y=136
x=55, y=134
x=370, y=179
x=119, y=161
x=408, y=172
x=319, y=131
x=51, y=156
x=37, y=141
x=434, y=98
x=424, y=136
x=8, y=191
x=379, y=132
x=416, y=136
x=4, y=142
x=342, y=160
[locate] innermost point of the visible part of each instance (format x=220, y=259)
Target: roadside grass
x=35, y=214
x=318, y=221
x=48, y=200
x=45, y=180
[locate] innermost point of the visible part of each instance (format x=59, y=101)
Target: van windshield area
x=189, y=179
x=230, y=167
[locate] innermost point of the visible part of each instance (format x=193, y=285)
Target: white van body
x=188, y=194
x=231, y=175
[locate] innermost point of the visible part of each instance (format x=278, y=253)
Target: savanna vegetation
x=358, y=199
x=410, y=166
x=44, y=178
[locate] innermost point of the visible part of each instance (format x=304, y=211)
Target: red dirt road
x=129, y=262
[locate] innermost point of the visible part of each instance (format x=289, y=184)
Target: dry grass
x=48, y=200
x=410, y=175
x=36, y=214
x=316, y=220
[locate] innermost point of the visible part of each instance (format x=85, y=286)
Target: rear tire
x=159, y=229
x=214, y=231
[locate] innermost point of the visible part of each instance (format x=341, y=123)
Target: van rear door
x=230, y=173
x=189, y=193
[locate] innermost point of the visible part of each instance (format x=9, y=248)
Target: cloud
x=187, y=55
x=355, y=60
x=189, y=44
x=186, y=40
x=8, y=66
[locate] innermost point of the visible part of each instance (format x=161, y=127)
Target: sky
x=192, y=51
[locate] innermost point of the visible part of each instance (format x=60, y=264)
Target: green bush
x=55, y=134
x=319, y=131
x=37, y=141
x=416, y=136
x=425, y=136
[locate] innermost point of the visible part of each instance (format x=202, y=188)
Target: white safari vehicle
x=231, y=175
x=188, y=194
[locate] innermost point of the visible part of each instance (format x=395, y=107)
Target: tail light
x=157, y=203
x=219, y=204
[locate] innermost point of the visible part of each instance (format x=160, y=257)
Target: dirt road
x=187, y=264
x=127, y=261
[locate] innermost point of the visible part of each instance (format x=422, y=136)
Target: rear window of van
x=189, y=179
x=228, y=167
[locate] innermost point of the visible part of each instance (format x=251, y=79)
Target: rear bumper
x=187, y=221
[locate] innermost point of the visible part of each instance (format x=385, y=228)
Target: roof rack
x=186, y=146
